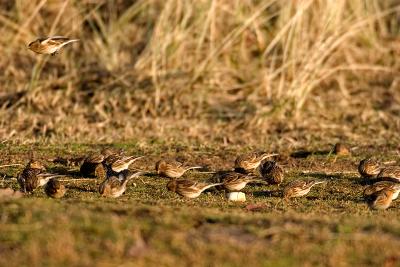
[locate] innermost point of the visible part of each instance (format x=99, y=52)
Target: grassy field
x=201, y=82
x=332, y=226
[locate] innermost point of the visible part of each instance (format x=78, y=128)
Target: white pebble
x=236, y=196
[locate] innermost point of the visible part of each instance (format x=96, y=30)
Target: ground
x=332, y=226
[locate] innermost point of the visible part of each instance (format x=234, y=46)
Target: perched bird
x=101, y=172
x=391, y=173
x=341, y=149
x=172, y=169
x=299, y=188
x=50, y=45
x=114, y=186
x=369, y=168
x=272, y=172
x=34, y=176
x=235, y=182
x=383, y=199
x=188, y=188
x=55, y=188
x=117, y=163
x=373, y=190
x=247, y=162
x=90, y=165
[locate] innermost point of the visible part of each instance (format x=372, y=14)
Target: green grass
x=150, y=226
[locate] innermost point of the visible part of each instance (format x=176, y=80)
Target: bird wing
x=175, y=163
x=390, y=172
x=123, y=163
x=95, y=158
x=189, y=186
x=54, y=40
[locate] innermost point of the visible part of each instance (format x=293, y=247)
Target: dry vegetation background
x=187, y=78
x=157, y=68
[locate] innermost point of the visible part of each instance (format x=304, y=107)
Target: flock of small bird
x=113, y=167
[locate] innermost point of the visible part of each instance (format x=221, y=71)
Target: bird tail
x=319, y=182
x=133, y=159
x=212, y=185
x=51, y=175
x=70, y=41
x=48, y=176
x=265, y=156
x=124, y=163
x=127, y=176
x=73, y=40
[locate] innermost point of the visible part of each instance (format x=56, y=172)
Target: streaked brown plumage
x=391, y=173
x=55, y=188
x=383, y=199
x=188, y=188
x=341, y=149
x=172, y=169
x=50, y=45
x=247, y=162
x=369, y=168
x=33, y=176
x=69, y=161
x=100, y=172
x=272, y=172
x=117, y=163
x=299, y=188
x=115, y=186
x=235, y=182
x=373, y=190
x=91, y=162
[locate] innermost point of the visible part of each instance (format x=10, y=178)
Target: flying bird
x=50, y=45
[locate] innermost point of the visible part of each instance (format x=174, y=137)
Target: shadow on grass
x=6, y=176
x=268, y=193
x=307, y=153
x=70, y=173
x=81, y=188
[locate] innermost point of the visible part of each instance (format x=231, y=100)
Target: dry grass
x=166, y=65
x=201, y=81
